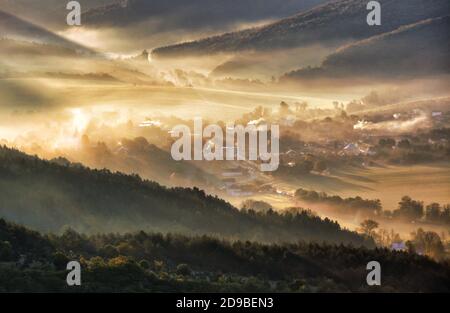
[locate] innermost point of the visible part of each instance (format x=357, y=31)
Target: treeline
x=423, y=242
x=48, y=197
x=153, y=262
x=412, y=210
x=408, y=209
x=350, y=205
x=424, y=147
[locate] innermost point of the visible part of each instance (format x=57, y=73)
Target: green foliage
x=171, y=263
x=60, y=260
x=183, y=269
x=320, y=166
x=6, y=252
x=144, y=264
x=387, y=143
x=428, y=243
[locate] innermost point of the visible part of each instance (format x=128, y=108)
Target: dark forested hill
x=48, y=196
x=152, y=262
x=332, y=23
x=417, y=49
x=12, y=26
x=46, y=12
x=193, y=14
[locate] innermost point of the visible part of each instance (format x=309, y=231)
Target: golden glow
x=87, y=37
x=80, y=120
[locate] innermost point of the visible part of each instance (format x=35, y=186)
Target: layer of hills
x=48, y=196
x=193, y=14
x=332, y=23
x=418, y=49
x=30, y=50
x=152, y=262
x=14, y=27
x=51, y=13
x=411, y=40
x=139, y=156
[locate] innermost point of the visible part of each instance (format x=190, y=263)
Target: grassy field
x=428, y=183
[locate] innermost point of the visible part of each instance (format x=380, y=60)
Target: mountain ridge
x=48, y=196
x=12, y=26
x=409, y=51
x=332, y=23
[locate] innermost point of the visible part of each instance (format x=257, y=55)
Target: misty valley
x=262, y=146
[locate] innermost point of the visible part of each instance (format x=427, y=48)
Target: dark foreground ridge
x=152, y=262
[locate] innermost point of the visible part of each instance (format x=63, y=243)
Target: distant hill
x=332, y=23
x=50, y=13
x=193, y=14
x=23, y=47
x=44, y=49
x=48, y=196
x=139, y=156
x=15, y=27
x=153, y=262
x=418, y=49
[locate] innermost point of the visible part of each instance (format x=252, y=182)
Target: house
x=351, y=149
x=358, y=149
x=399, y=246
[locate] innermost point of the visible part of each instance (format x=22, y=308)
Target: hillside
x=139, y=156
x=181, y=14
x=48, y=196
x=33, y=48
x=46, y=12
x=152, y=262
x=418, y=49
x=14, y=27
x=333, y=23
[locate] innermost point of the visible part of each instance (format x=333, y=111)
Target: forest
x=50, y=197
x=153, y=262
x=408, y=210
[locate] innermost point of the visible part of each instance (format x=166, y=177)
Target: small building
x=399, y=246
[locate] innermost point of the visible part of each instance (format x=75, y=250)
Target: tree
x=144, y=264
x=386, y=238
x=428, y=243
x=386, y=143
x=257, y=206
x=284, y=109
x=433, y=212
x=305, y=166
x=183, y=269
x=301, y=106
x=320, y=166
x=445, y=215
x=404, y=144
x=368, y=227
x=60, y=260
x=409, y=209
x=109, y=251
x=6, y=251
